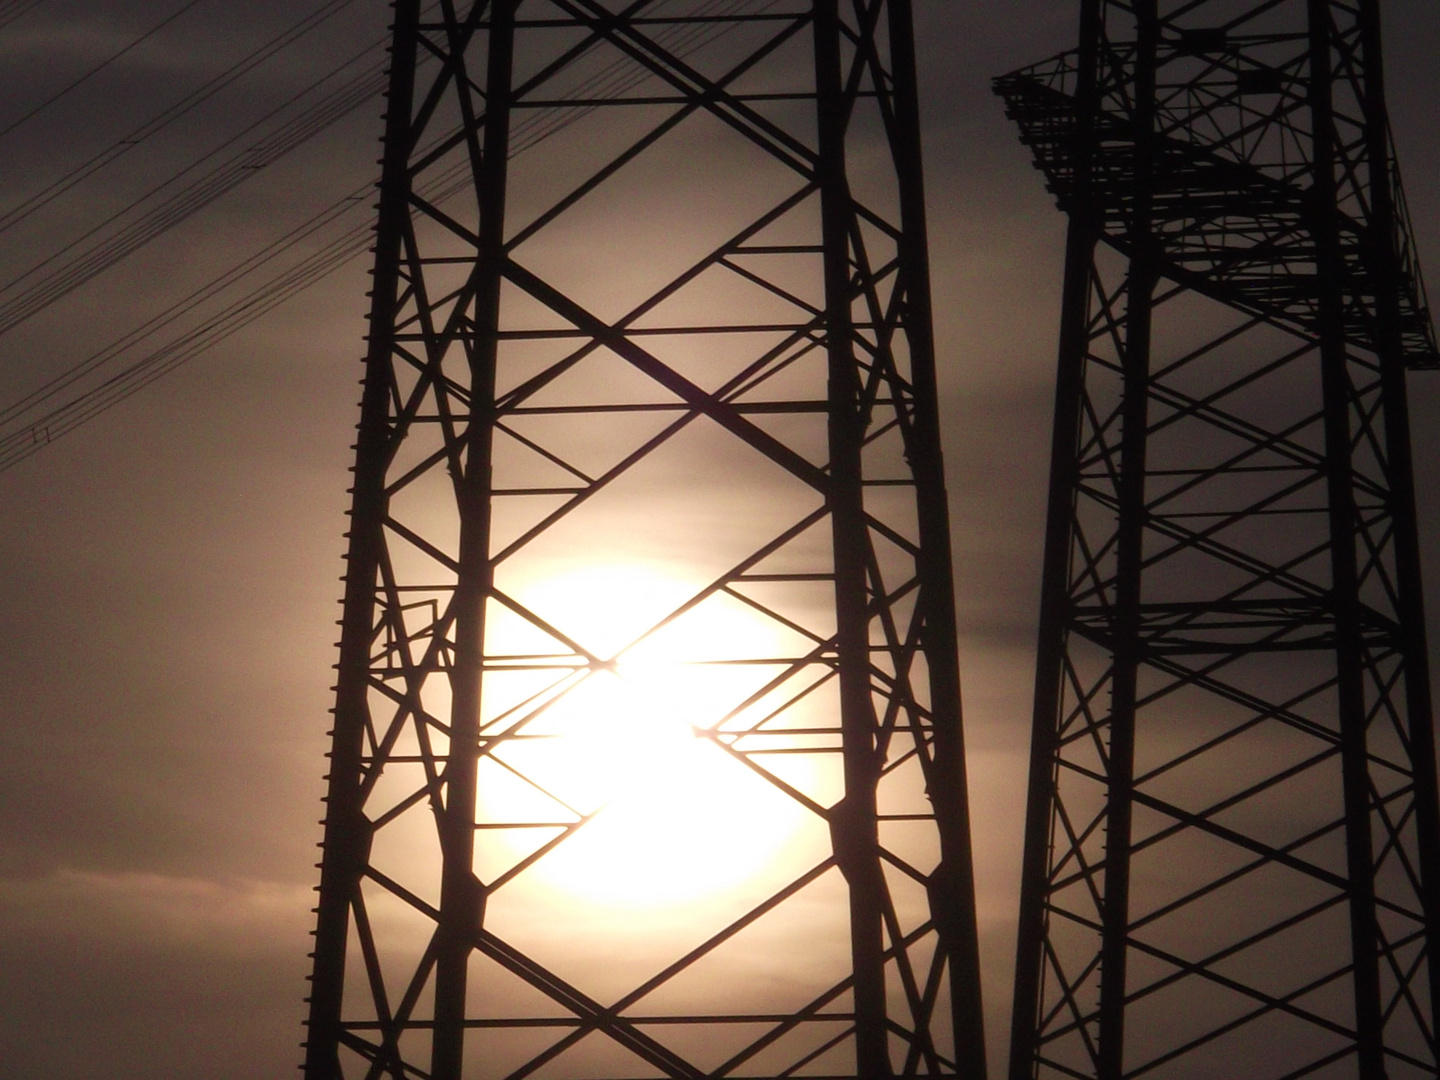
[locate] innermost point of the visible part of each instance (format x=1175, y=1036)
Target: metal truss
x=1232, y=853
x=694, y=334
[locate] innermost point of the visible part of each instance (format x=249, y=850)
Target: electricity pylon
x=693, y=332
x=1231, y=862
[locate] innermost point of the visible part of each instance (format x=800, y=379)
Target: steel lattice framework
x=1231, y=862
x=694, y=333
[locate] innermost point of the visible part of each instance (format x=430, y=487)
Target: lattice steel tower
x=1231, y=862
x=648, y=444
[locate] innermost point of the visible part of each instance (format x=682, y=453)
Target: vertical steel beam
x=462, y=896
x=346, y=842
x=1082, y=234
x=1230, y=842
x=1339, y=396
x=854, y=821
x=954, y=898
x=1130, y=513
x=1383, y=261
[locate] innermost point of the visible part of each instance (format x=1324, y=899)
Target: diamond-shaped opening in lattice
x=674, y=816
x=496, y=994
x=1206, y=351
x=1379, y=577
x=781, y=962
x=736, y=291
x=632, y=235
x=406, y=849
x=425, y=509
x=495, y=1051
x=597, y=1056
x=401, y=934
x=1198, y=747
x=609, y=947
x=1305, y=961
x=700, y=506
x=919, y=1004
x=909, y=896
x=1296, y=807
x=1084, y=730
x=790, y=735
x=1209, y=914
x=1398, y=867
x=1213, y=560
x=1077, y=863
x=903, y=791
x=1272, y=1044
x=1409, y=1022
x=706, y=1044
x=1066, y=1019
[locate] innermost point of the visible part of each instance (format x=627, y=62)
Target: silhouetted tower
x=1231, y=861
x=658, y=397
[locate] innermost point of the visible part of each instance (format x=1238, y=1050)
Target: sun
x=616, y=785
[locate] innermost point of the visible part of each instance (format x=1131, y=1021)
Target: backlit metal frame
x=815, y=367
x=1231, y=862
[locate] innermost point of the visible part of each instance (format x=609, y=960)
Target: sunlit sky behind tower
x=169, y=571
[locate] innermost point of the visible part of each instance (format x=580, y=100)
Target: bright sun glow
x=675, y=816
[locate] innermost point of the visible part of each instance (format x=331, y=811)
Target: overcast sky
x=169, y=572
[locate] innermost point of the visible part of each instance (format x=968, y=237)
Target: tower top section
x=1234, y=192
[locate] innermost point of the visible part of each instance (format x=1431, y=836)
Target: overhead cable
x=14, y=9
x=18, y=213
x=29, y=436
x=115, y=238
x=38, y=109
x=183, y=307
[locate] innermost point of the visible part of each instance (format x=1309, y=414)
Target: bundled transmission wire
x=87, y=76
x=29, y=434
x=14, y=9
x=18, y=445
x=158, y=123
x=115, y=238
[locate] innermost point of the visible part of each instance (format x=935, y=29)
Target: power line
x=19, y=445
x=15, y=9
x=16, y=214
x=181, y=308
x=184, y=203
x=99, y=67
x=23, y=442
